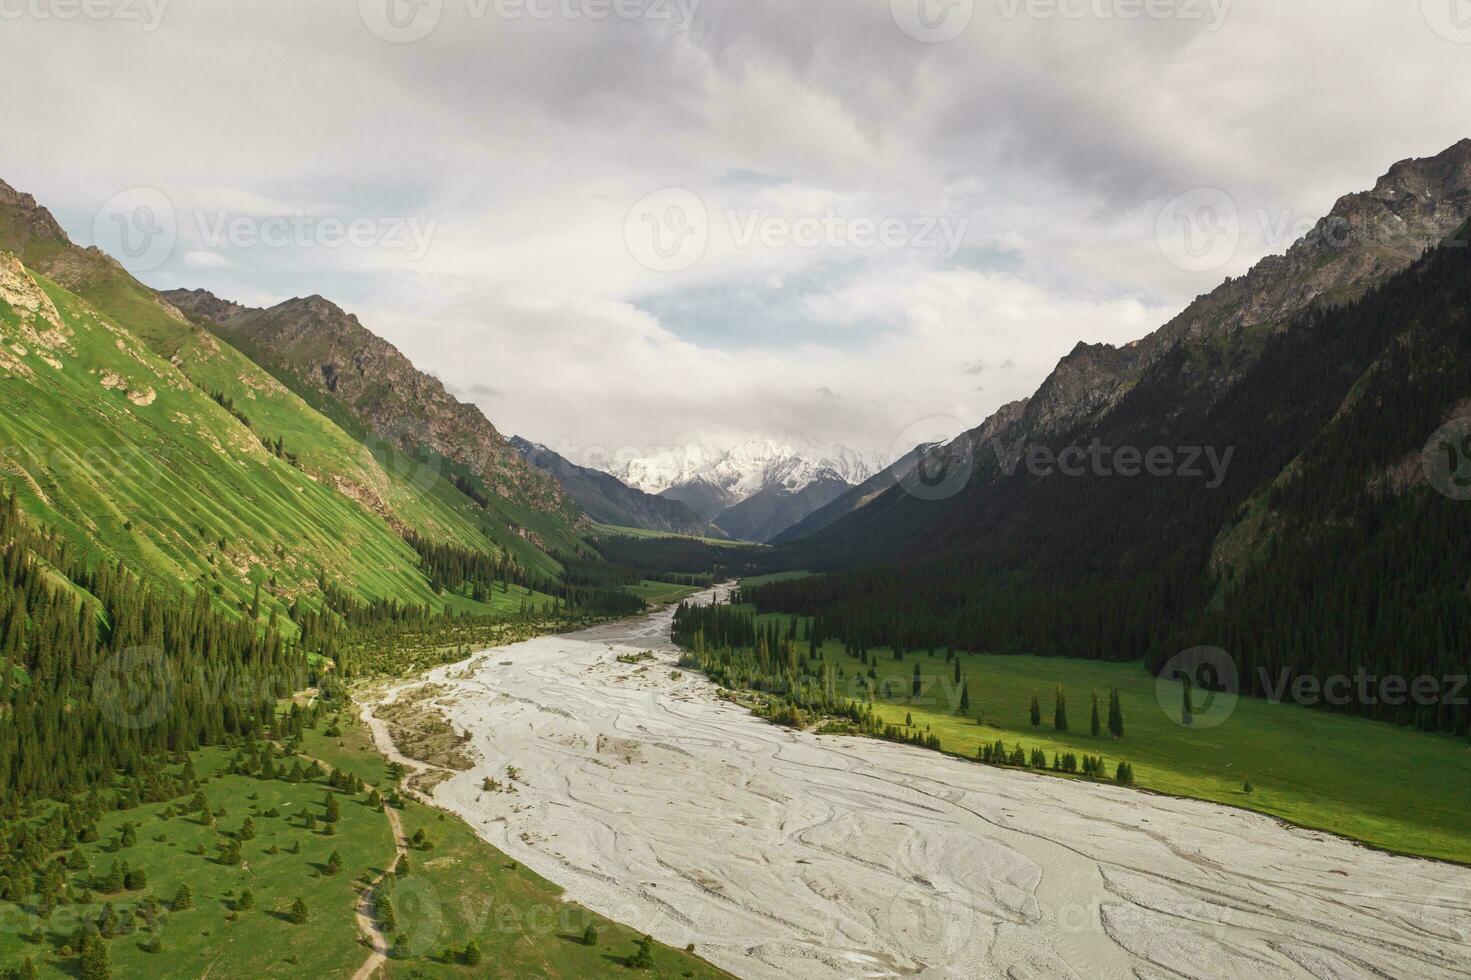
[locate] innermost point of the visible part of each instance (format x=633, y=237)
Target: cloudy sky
x=645, y=223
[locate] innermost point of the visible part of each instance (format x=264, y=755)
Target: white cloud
x=527, y=142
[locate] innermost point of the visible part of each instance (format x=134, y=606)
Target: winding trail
x=781, y=853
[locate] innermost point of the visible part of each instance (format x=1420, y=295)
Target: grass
x=754, y=580
x=460, y=888
x=614, y=531
x=201, y=940
x=1390, y=787
x=660, y=593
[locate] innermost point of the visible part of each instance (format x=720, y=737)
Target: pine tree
x=1096, y=725
x=1059, y=710
x=1187, y=713
x=298, y=913
x=96, y=962
x=589, y=936
x=1115, y=714
x=471, y=955
x=643, y=957
x=183, y=899
x=964, y=696
x=917, y=682
x=1036, y=712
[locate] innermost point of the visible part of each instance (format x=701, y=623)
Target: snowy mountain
x=754, y=490
x=746, y=469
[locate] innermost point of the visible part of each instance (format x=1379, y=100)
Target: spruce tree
x=1187, y=714
x=1059, y=710
x=1036, y=712
x=1096, y=724
x=1115, y=714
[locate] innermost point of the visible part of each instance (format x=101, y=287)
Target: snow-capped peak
x=745, y=469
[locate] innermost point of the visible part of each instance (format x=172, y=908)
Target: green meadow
x=1390, y=787
x=457, y=887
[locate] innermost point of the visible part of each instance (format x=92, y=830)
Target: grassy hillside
x=458, y=888
x=126, y=454
x=140, y=435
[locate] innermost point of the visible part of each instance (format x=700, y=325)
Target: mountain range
x=608, y=500
x=753, y=491
x=1326, y=383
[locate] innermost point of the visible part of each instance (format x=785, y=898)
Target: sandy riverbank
x=785, y=854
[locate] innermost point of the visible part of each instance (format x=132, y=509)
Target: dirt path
x=367, y=921
x=379, y=942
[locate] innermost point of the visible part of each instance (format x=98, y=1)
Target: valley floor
x=782, y=853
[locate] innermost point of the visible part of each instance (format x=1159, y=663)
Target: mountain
x=789, y=485
x=1291, y=520
x=1366, y=238
x=139, y=436
x=910, y=469
x=608, y=500
x=316, y=349
x=765, y=514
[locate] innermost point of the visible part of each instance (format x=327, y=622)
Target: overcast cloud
x=709, y=220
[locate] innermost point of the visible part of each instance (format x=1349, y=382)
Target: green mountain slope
x=374, y=392
x=142, y=436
